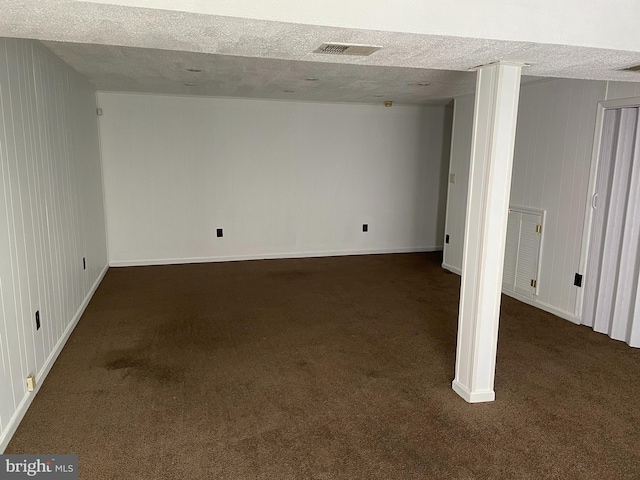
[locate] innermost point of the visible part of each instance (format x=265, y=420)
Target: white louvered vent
x=522, y=251
x=346, y=49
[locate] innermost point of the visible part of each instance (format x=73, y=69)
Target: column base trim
x=473, y=397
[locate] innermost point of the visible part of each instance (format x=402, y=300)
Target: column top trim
x=500, y=62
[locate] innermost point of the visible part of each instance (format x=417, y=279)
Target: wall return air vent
x=347, y=49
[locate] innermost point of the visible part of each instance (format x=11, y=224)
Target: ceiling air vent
x=635, y=68
x=346, y=49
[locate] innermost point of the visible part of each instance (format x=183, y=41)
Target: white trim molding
x=271, y=256
x=534, y=302
x=473, y=397
x=543, y=306
x=452, y=269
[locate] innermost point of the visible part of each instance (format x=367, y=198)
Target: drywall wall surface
x=280, y=178
x=51, y=215
x=458, y=182
x=552, y=160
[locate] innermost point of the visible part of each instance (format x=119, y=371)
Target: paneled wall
x=280, y=178
x=552, y=160
x=617, y=90
x=51, y=215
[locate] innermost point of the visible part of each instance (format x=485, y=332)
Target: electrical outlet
x=365, y=227
x=31, y=382
x=219, y=232
x=577, y=281
x=446, y=239
x=452, y=178
x=37, y=319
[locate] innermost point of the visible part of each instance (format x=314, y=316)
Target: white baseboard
x=452, y=269
x=17, y=417
x=534, y=302
x=270, y=256
x=473, y=397
x=543, y=306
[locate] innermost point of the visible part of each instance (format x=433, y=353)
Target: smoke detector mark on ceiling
x=347, y=49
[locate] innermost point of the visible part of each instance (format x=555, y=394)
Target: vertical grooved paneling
x=41, y=342
x=553, y=187
x=16, y=225
x=11, y=380
x=35, y=273
x=45, y=295
x=552, y=159
x=618, y=90
x=51, y=199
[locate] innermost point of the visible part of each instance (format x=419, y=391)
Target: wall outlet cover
x=31, y=382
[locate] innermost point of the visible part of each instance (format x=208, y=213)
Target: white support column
x=494, y=131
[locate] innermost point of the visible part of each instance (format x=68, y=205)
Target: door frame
x=591, y=189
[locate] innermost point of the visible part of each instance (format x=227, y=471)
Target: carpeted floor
x=327, y=368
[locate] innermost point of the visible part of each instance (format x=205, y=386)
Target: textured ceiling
x=278, y=55
x=129, y=69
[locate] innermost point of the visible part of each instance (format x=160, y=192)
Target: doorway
x=611, y=298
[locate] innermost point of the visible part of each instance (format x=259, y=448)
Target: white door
x=612, y=281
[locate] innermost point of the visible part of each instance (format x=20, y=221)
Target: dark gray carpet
x=329, y=368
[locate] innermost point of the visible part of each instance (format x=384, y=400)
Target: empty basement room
x=249, y=240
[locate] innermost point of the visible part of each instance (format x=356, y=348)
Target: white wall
x=552, y=160
x=457, y=191
x=51, y=215
x=281, y=178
